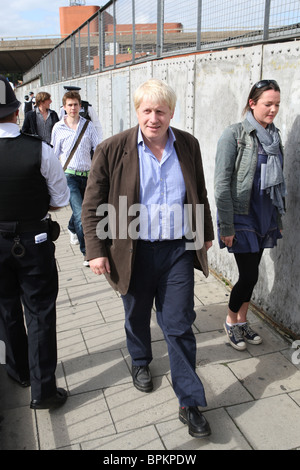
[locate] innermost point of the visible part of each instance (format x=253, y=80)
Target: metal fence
x=125, y=32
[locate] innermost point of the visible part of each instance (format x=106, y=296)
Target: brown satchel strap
x=76, y=144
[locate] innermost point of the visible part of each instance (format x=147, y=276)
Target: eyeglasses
x=263, y=83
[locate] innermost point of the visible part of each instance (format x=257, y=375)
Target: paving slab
x=214, y=292
x=269, y=424
x=95, y=371
x=84, y=417
x=18, y=429
x=267, y=375
x=225, y=434
x=131, y=409
x=221, y=386
x=136, y=440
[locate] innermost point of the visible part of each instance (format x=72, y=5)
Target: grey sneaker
x=249, y=335
x=235, y=336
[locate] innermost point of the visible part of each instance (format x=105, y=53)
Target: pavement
x=253, y=396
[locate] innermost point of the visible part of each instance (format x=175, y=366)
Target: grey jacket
x=236, y=160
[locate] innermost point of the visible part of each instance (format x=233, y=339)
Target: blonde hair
x=156, y=91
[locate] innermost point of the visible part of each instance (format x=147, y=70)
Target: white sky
x=33, y=17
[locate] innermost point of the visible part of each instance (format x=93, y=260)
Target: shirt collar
x=39, y=112
x=81, y=121
x=9, y=129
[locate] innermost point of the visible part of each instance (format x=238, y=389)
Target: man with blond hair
x=149, y=170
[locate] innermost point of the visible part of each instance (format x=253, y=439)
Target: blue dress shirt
x=162, y=193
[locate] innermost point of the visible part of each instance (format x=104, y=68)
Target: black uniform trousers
x=28, y=288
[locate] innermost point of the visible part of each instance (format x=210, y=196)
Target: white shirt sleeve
x=54, y=175
x=55, y=141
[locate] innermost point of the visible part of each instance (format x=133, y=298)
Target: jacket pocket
x=243, y=160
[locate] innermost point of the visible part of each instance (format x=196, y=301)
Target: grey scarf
x=274, y=180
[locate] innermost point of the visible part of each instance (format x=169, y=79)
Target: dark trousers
x=164, y=272
x=248, y=266
x=28, y=288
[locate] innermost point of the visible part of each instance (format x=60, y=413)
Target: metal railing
x=125, y=32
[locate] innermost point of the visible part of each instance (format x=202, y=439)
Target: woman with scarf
x=249, y=193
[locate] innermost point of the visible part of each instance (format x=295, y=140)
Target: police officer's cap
x=72, y=88
x=8, y=100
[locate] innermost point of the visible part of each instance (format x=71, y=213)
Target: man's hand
x=100, y=265
x=208, y=245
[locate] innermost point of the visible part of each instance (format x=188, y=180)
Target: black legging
x=248, y=264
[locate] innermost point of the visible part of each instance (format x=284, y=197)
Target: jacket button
x=131, y=250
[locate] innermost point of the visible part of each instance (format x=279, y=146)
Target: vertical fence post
x=72, y=58
x=79, y=54
x=133, y=32
x=59, y=63
x=160, y=28
x=89, y=50
x=55, y=65
x=115, y=33
x=100, y=43
x=199, y=19
x=267, y=20
x=66, y=61
x=43, y=76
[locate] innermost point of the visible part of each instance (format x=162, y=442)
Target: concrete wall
x=212, y=89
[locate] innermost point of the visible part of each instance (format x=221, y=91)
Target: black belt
x=33, y=226
x=14, y=228
x=160, y=242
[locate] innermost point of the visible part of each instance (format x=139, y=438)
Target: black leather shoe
x=198, y=425
x=52, y=402
x=142, y=379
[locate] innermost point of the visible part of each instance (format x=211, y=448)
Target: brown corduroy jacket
x=113, y=179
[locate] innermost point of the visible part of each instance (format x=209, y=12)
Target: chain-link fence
x=130, y=31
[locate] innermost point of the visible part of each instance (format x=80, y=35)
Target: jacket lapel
x=182, y=150
x=131, y=167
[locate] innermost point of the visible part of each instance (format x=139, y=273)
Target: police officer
x=28, y=103
x=31, y=183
